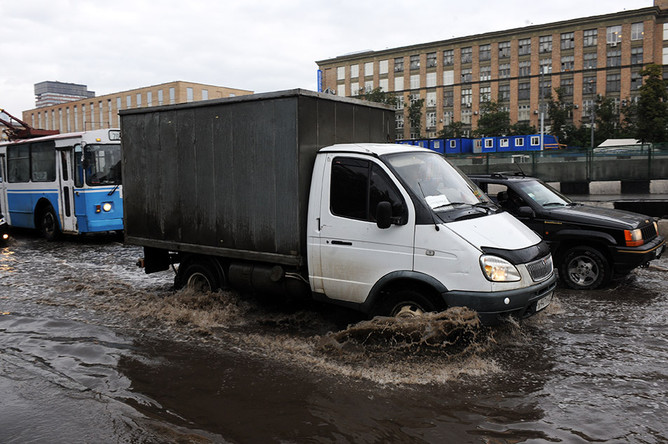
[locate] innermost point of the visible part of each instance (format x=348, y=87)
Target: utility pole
x=540, y=106
x=592, y=112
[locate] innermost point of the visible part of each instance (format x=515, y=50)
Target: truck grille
x=540, y=269
x=648, y=233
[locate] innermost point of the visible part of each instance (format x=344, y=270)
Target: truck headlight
x=497, y=269
x=633, y=238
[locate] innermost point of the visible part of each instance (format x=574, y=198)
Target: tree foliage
x=559, y=112
x=452, y=130
x=652, y=112
x=494, y=121
x=377, y=95
x=415, y=116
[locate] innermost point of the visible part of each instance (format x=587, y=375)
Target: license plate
x=542, y=303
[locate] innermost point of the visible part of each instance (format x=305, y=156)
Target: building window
x=504, y=50
x=613, y=83
x=448, y=57
x=448, y=78
x=466, y=116
x=354, y=71
x=467, y=96
x=525, y=68
x=399, y=121
x=545, y=66
x=589, y=60
x=485, y=73
x=504, y=71
x=545, y=88
x=431, y=60
x=149, y=97
x=398, y=83
x=368, y=69
x=545, y=44
x=637, y=31
x=485, y=94
x=524, y=91
x=431, y=80
x=431, y=119
x=524, y=113
x=448, y=98
x=128, y=102
x=383, y=66
x=415, y=62
x=399, y=64
x=205, y=94
x=431, y=99
x=567, y=87
x=636, y=56
x=467, y=55
x=485, y=53
x=567, y=40
x=139, y=100
x=467, y=75
x=504, y=93
x=341, y=73
x=636, y=80
x=590, y=37
x=355, y=89
x=415, y=81
x=567, y=63
x=613, y=35
x=118, y=103
x=614, y=58
x=400, y=102
x=383, y=84
x=172, y=96
x=448, y=117
x=524, y=47
x=160, y=97
x=588, y=85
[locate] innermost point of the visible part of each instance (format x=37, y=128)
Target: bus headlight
x=497, y=269
x=106, y=206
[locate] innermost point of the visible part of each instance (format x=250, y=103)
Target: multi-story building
x=102, y=111
x=598, y=55
x=54, y=93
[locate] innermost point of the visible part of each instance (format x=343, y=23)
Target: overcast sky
x=258, y=45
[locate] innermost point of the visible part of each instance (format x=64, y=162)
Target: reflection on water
x=94, y=350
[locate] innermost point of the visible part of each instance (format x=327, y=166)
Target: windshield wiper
x=113, y=190
x=554, y=204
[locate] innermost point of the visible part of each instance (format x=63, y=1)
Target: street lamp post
x=592, y=112
x=540, y=106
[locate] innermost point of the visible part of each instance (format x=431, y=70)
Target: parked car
x=589, y=244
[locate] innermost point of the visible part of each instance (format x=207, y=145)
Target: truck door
x=354, y=252
x=68, y=219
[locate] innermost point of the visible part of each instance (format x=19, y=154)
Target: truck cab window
x=358, y=186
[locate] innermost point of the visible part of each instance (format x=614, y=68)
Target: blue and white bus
x=64, y=183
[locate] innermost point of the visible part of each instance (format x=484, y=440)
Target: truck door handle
x=336, y=242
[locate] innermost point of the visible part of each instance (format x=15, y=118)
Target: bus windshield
x=102, y=164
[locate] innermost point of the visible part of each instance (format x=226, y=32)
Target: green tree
x=652, y=122
x=415, y=116
x=559, y=113
x=378, y=95
x=522, y=129
x=452, y=130
x=607, y=120
x=493, y=121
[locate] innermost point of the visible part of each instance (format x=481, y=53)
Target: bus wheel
x=49, y=224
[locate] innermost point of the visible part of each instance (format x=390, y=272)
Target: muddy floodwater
x=94, y=351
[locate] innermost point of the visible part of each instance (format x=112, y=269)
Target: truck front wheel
x=584, y=268
x=201, y=276
x=406, y=304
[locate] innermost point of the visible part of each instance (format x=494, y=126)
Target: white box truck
x=297, y=192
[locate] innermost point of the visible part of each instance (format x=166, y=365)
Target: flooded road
x=92, y=350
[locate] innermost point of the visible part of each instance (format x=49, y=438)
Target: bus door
x=4, y=209
x=68, y=220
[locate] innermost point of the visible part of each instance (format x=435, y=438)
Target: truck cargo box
x=231, y=177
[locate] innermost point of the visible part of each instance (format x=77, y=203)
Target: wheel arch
x=599, y=243
x=218, y=265
x=395, y=281
x=42, y=204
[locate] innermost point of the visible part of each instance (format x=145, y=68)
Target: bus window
x=18, y=163
x=43, y=160
x=102, y=164
x=78, y=166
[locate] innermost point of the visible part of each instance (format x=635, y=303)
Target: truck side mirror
x=384, y=215
x=525, y=211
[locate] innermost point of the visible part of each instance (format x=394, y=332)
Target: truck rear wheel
x=200, y=275
x=406, y=304
x=584, y=268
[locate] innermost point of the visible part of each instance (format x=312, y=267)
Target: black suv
x=589, y=244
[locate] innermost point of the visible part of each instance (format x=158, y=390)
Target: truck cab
x=396, y=230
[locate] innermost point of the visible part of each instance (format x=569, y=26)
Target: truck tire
x=406, y=304
x=48, y=224
x=584, y=268
x=201, y=276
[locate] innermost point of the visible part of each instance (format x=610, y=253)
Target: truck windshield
x=543, y=194
x=432, y=177
x=102, y=164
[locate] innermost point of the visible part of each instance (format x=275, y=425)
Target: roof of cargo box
x=377, y=149
x=257, y=97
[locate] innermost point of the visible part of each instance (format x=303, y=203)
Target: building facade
x=102, y=112
x=54, y=93
x=585, y=57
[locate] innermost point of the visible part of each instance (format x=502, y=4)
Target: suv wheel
x=584, y=268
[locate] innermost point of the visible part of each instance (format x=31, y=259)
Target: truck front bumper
x=628, y=258
x=493, y=307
